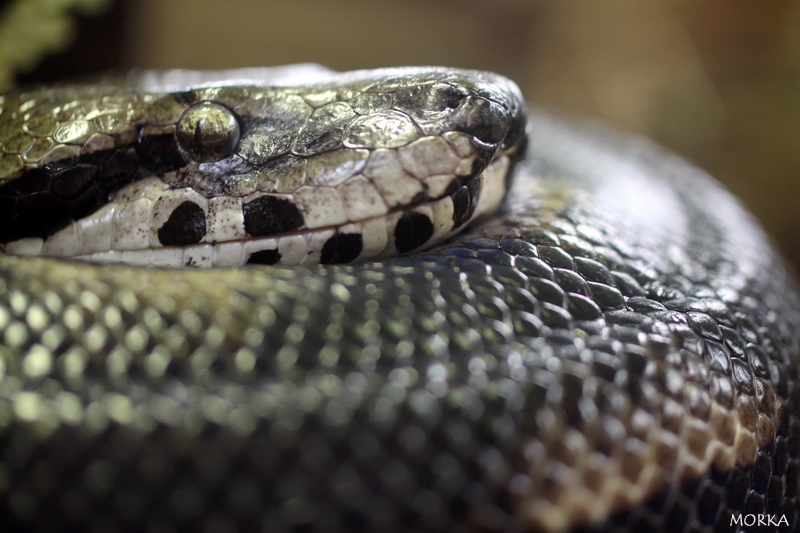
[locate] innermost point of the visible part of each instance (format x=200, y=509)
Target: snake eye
x=207, y=132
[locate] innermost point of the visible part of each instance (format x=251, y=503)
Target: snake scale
x=615, y=349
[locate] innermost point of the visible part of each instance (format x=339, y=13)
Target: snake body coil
x=615, y=350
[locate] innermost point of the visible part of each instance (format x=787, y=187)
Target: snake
x=293, y=300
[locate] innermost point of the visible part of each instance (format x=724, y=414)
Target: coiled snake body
x=615, y=350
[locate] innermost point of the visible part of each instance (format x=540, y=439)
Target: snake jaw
x=359, y=166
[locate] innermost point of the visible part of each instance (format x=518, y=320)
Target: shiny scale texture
x=616, y=351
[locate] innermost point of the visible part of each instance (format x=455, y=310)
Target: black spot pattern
x=43, y=200
x=412, y=231
x=474, y=187
x=264, y=257
x=460, y=206
x=341, y=248
x=465, y=200
x=270, y=215
x=73, y=181
x=186, y=225
x=160, y=153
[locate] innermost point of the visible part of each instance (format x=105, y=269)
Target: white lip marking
x=65, y=243
x=137, y=257
x=321, y=206
x=228, y=254
x=391, y=223
x=224, y=219
x=437, y=184
x=398, y=190
x=493, y=186
x=293, y=249
x=315, y=243
x=97, y=229
x=427, y=156
x=361, y=199
x=375, y=237
x=30, y=247
x=442, y=219
x=132, y=225
x=258, y=245
x=167, y=257
x=199, y=256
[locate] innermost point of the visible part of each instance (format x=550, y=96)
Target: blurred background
x=717, y=81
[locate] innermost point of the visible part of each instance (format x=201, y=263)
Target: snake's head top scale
x=349, y=167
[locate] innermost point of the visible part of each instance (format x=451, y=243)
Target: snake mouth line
x=402, y=230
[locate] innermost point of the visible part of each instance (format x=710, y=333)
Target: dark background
x=718, y=81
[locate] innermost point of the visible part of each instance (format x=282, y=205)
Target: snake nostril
x=446, y=96
x=450, y=96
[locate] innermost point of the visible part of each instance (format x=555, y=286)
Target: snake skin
x=616, y=351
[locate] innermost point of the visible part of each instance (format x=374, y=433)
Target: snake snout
x=486, y=120
x=516, y=139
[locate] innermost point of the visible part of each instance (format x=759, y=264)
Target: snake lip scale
x=443, y=326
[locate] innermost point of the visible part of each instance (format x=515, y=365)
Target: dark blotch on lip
x=186, y=225
x=412, y=231
x=460, y=206
x=41, y=201
x=264, y=257
x=72, y=182
x=342, y=248
x=269, y=215
x=465, y=200
x=474, y=188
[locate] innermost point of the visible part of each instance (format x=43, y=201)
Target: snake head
x=341, y=168
x=483, y=105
